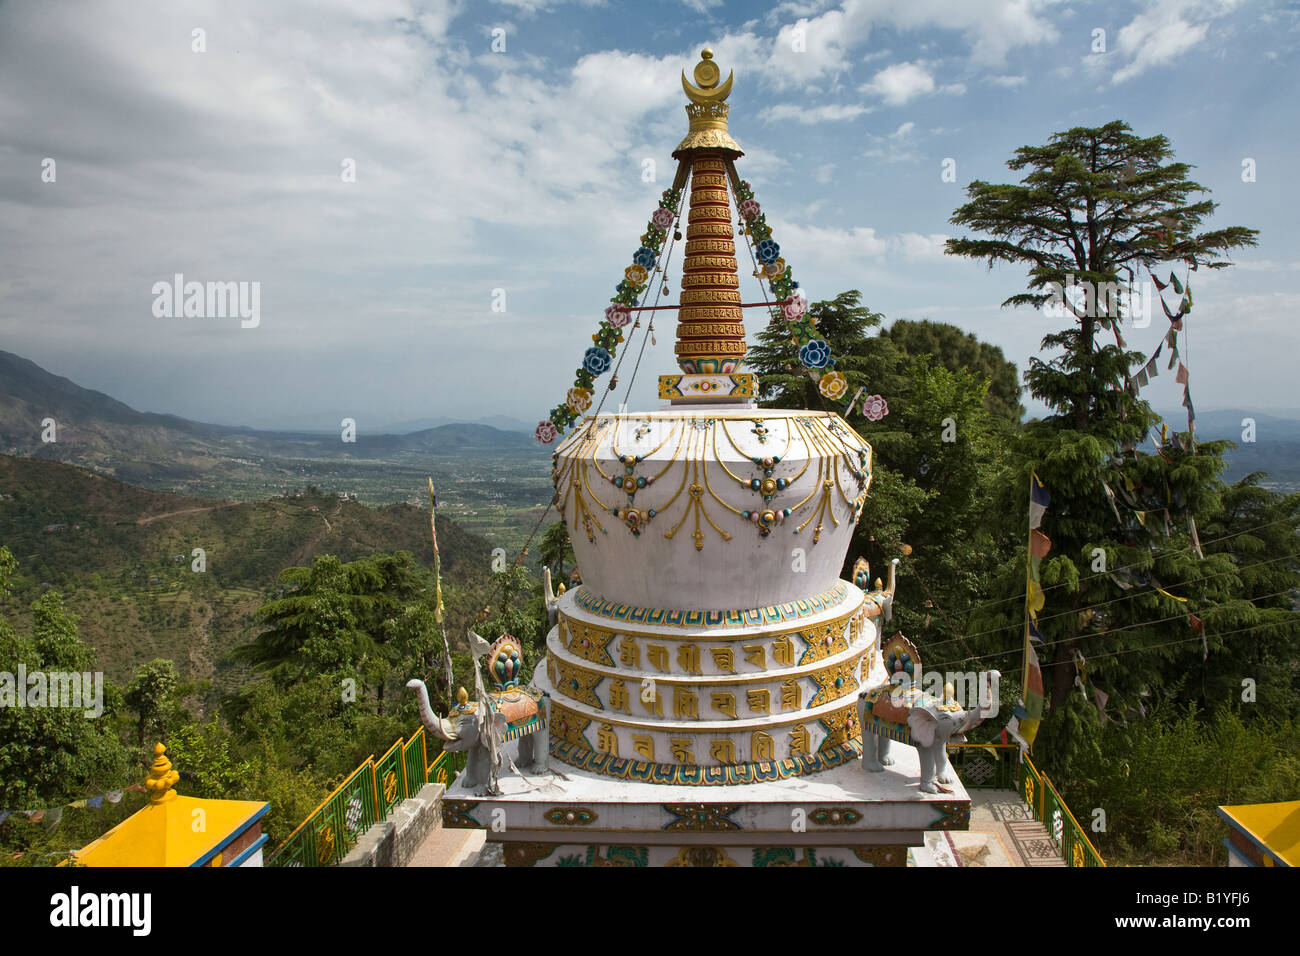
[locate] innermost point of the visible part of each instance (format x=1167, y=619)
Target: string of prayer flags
x=52, y=815
x=1028, y=712
x=1196, y=538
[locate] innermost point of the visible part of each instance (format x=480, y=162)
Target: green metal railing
x=390, y=779
x=364, y=798
x=1064, y=831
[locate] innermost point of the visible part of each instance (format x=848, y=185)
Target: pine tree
x=1096, y=205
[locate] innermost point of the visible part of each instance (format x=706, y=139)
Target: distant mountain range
x=94, y=430
x=122, y=557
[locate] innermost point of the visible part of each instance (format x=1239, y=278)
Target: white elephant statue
x=900, y=711
x=483, y=727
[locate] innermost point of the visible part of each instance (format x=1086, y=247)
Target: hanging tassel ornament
x=613, y=383
x=652, y=334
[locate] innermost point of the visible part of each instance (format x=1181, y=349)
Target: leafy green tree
x=342, y=618
x=52, y=754
x=1093, y=204
x=936, y=455
x=1257, y=528
x=959, y=351
x=940, y=460
x=151, y=694
x=556, y=550
x=846, y=326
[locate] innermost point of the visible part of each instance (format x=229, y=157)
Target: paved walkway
x=449, y=848
x=1003, y=832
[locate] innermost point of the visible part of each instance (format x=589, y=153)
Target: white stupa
x=703, y=678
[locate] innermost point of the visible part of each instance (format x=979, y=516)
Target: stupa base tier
x=843, y=816
x=706, y=389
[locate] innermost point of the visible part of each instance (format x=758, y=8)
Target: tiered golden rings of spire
x=710, y=330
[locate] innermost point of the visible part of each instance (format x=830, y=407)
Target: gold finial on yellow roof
x=161, y=777
x=462, y=696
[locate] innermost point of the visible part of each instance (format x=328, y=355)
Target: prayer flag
x=1033, y=633
x=1039, y=499
x=1101, y=697
x=1039, y=544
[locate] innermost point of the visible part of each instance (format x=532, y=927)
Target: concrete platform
x=842, y=816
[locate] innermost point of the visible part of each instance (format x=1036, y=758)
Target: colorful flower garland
x=599, y=359
x=814, y=352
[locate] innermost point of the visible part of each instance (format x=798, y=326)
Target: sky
x=386, y=172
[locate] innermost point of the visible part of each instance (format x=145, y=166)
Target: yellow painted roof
x=163, y=834
x=1274, y=826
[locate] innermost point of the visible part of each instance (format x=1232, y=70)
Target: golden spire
x=161, y=777
x=708, y=109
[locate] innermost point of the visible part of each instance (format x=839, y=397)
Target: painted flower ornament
x=833, y=385
x=795, y=307
x=750, y=209
x=636, y=275
x=774, y=269
x=815, y=354
x=579, y=399
x=618, y=316
x=875, y=408
x=768, y=251
x=597, y=360
x=663, y=218
x=645, y=257
x=546, y=432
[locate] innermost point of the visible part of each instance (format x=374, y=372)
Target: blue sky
x=521, y=170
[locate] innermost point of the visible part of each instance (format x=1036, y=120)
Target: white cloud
x=858, y=245
x=899, y=83
x=1159, y=35
x=1008, y=81
x=828, y=112
x=828, y=39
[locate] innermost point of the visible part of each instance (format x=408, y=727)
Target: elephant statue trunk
x=442, y=729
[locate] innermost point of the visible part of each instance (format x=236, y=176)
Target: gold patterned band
x=710, y=280
x=726, y=247
x=700, y=263
x=687, y=330
x=709, y=230
x=707, y=348
x=710, y=297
